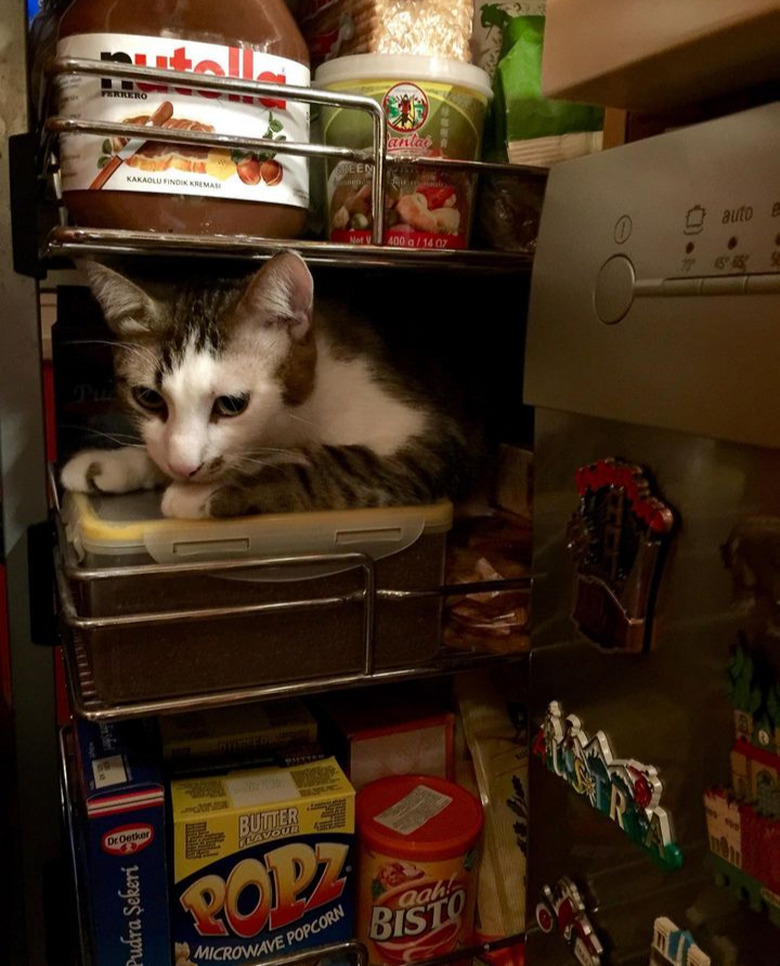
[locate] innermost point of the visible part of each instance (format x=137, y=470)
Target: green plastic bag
x=524, y=126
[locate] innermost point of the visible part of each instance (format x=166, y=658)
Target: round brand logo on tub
x=127, y=839
x=406, y=107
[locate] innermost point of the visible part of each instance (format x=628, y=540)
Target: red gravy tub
x=419, y=843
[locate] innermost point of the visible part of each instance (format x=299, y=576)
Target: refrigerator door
x=652, y=347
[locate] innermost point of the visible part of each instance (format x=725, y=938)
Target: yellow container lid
x=114, y=526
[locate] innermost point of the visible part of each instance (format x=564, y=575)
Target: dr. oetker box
x=122, y=807
x=261, y=862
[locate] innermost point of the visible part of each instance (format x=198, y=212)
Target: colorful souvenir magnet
x=675, y=947
x=743, y=821
x=562, y=907
x=626, y=790
x=618, y=537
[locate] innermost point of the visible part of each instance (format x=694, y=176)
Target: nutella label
x=103, y=163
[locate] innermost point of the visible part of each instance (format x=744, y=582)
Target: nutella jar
x=140, y=184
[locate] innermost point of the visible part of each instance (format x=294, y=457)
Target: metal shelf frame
x=33, y=782
x=88, y=703
x=23, y=463
x=76, y=242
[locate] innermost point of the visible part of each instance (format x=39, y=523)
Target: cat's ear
x=127, y=309
x=281, y=292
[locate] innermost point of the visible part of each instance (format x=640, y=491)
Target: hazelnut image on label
x=249, y=171
x=271, y=172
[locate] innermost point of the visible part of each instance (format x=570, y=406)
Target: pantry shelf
x=78, y=242
x=75, y=242
x=86, y=702
x=351, y=951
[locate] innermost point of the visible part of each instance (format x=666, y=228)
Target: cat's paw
x=188, y=501
x=110, y=471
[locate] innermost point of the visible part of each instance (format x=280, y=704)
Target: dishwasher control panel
x=656, y=283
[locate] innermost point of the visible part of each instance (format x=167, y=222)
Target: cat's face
x=212, y=372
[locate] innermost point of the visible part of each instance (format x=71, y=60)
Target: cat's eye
x=230, y=405
x=148, y=399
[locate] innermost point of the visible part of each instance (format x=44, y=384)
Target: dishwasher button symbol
x=694, y=220
x=623, y=228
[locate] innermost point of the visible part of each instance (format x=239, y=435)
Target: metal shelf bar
x=68, y=125
x=87, y=704
x=69, y=819
x=76, y=242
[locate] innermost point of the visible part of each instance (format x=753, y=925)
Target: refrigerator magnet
x=563, y=908
x=624, y=789
x=743, y=821
x=618, y=537
x=675, y=947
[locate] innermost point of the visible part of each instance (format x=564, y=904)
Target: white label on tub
x=414, y=810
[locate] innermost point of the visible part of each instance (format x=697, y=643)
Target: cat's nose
x=184, y=470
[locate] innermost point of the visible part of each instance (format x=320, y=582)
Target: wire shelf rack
x=74, y=242
x=87, y=703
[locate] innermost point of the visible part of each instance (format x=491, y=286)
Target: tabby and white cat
x=250, y=400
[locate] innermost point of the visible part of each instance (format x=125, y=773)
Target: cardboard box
x=122, y=810
x=374, y=735
x=655, y=56
x=261, y=862
x=514, y=484
x=236, y=732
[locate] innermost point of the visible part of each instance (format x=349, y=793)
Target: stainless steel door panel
x=668, y=708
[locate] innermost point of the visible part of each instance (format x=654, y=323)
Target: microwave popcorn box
x=122, y=806
x=236, y=732
x=262, y=862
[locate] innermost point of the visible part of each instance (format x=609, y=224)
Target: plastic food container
x=111, y=541
x=419, y=839
x=435, y=108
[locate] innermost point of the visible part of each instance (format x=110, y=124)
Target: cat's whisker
x=272, y=449
x=301, y=419
x=130, y=346
x=246, y=462
x=260, y=460
x=144, y=352
x=124, y=440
